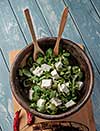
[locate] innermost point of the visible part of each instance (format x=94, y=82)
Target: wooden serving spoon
x=36, y=46
x=61, y=29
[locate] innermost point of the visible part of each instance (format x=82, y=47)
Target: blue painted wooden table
x=83, y=26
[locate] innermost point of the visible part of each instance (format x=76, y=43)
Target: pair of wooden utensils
x=37, y=49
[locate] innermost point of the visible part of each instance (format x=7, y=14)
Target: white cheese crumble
x=38, y=71
x=67, y=84
x=41, y=102
x=54, y=74
x=46, y=83
x=70, y=103
x=58, y=65
x=63, y=88
x=56, y=101
x=45, y=67
x=80, y=84
x=30, y=93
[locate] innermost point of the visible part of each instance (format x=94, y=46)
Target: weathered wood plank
x=89, y=26
x=96, y=4
x=52, y=14
x=96, y=100
x=10, y=35
x=41, y=28
x=6, y=107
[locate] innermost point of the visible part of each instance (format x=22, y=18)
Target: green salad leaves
x=54, y=82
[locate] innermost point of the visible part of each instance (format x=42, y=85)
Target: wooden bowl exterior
x=44, y=44
x=52, y=125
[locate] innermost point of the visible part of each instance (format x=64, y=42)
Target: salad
x=53, y=83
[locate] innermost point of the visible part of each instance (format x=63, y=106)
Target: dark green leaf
x=33, y=105
x=26, y=72
x=66, y=54
x=20, y=72
x=40, y=60
x=49, y=52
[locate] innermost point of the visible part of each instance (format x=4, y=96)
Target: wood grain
x=85, y=115
x=6, y=106
x=40, y=25
x=52, y=14
x=10, y=35
x=97, y=5
x=88, y=23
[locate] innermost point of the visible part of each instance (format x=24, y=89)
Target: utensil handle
x=29, y=21
x=63, y=21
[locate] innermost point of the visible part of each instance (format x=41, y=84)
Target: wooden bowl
x=78, y=54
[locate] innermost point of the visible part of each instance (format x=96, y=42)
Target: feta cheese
x=58, y=65
x=46, y=83
x=45, y=67
x=56, y=101
x=80, y=84
x=54, y=74
x=30, y=93
x=63, y=88
x=70, y=103
x=38, y=71
x=41, y=102
x=67, y=84
x=33, y=81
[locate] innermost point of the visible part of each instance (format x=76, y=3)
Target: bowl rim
x=67, y=113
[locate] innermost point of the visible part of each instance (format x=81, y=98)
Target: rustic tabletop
x=83, y=26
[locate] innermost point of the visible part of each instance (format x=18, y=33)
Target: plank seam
x=77, y=28
x=1, y=128
x=18, y=22
x=4, y=59
x=95, y=8
x=38, y=5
